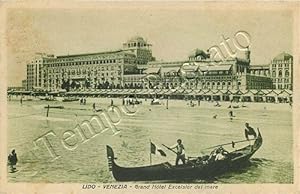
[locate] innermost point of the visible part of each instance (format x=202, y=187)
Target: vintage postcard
x=134, y=97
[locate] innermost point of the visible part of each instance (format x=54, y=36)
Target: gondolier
x=180, y=152
x=249, y=131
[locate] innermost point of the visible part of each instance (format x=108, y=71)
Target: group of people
x=216, y=155
x=82, y=101
x=130, y=101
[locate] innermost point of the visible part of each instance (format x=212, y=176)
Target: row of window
x=107, y=68
x=138, y=44
x=91, y=81
x=217, y=78
x=281, y=65
x=280, y=73
x=281, y=80
x=285, y=86
x=85, y=63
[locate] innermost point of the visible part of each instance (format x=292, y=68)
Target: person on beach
x=230, y=113
x=94, y=107
x=12, y=160
x=180, y=152
x=249, y=131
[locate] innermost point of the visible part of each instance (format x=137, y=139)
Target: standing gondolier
x=180, y=152
x=249, y=131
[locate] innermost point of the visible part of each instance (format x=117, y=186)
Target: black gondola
x=199, y=168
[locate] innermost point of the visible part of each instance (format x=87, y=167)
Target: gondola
x=198, y=168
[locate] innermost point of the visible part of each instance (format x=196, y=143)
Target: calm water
x=273, y=163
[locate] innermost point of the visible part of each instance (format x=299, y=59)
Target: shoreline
x=106, y=101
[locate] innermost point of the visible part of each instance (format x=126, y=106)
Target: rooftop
x=198, y=52
x=282, y=57
x=89, y=54
x=137, y=39
x=216, y=68
x=264, y=66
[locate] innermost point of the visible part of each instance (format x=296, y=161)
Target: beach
x=85, y=161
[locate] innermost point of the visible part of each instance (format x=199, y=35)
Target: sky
x=173, y=32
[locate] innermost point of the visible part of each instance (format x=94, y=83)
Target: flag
x=155, y=149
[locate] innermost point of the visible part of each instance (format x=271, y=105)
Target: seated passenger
x=213, y=155
x=221, y=155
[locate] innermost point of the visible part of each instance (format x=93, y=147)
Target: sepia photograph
x=161, y=96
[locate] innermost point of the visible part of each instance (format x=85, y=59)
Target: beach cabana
x=272, y=96
x=208, y=95
x=217, y=95
x=259, y=96
x=227, y=96
x=236, y=95
x=284, y=96
x=248, y=96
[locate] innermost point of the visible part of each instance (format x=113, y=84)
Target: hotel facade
x=133, y=66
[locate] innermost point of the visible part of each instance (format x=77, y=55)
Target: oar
x=169, y=149
x=172, y=151
x=232, y=143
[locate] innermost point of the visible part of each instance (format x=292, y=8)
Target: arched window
x=274, y=74
x=280, y=73
x=239, y=83
x=287, y=73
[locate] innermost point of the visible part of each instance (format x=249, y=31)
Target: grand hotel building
x=90, y=70
x=133, y=66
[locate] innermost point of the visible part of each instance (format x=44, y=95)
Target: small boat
x=47, y=98
x=70, y=99
x=155, y=102
x=199, y=168
x=57, y=106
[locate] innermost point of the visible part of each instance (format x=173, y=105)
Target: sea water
x=196, y=126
